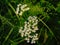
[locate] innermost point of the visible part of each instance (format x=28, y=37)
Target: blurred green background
x=48, y=13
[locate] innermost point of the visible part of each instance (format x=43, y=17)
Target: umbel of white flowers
x=29, y=30
x=21, y=8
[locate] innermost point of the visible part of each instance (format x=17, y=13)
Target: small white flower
x=25, y=25
x=28, y=41
x=29, y=32
x=21, y=13
x=21, y=28
x=17, y=10
x=33, y=31
x=33, y=42
x=36, y=38
x=23, y=6
x=19, y=5
x=33, y=21
x=36, y=34
x=22, y=35
x=35, y=24
x=28, y=23
x=29, y=20
x=30, y=36
x=25, y=22
x=26, y=33
x=35, y=28
x=26, y=9
x=20, y=31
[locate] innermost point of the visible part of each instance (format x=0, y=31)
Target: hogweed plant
x=30, y=22
x=21, y=8
x=29, y=29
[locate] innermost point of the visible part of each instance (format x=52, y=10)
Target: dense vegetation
x=48, y=13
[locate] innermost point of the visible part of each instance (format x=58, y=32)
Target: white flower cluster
x=21, y=8
x=29, y=29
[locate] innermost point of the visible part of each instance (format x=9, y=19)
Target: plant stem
x=47, y=28
x=13, y=10
x=8, y=36
x=6, y=20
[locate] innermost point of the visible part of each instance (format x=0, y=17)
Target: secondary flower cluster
x=29, y=29
x=21, y=8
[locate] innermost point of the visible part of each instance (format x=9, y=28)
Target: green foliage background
x=48, y=13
